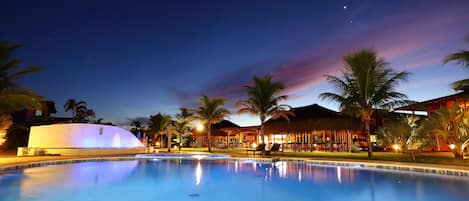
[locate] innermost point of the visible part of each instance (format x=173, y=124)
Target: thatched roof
x=313, y=118
x=224, y=124
x=218, y=129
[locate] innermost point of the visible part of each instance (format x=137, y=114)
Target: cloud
x=410, y=39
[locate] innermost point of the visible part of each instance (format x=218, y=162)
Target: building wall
x=81, y=136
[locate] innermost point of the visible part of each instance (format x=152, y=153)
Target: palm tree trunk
x=370, y=144
x=161, y=140
x=262, y=129
x=169, y=138
x=209, y=137
x=74, y=113
x=180, y=141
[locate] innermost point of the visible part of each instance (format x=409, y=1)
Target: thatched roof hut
x=313, y=118
x=219, y=129
x=226, y=134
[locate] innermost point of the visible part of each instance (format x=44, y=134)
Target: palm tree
x=263, y=102
x=158, y=123
x=461, y=58
x=211, y=111
x=12, y=96
x=183, y=122
x=136, y=126
x=367, y=83
x=76, y=107
x=88, y=115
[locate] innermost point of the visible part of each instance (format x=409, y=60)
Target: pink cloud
x=409, y=39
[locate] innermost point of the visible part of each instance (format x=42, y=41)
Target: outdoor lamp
x=199, y=127
x=452, y=146
x=395, y=147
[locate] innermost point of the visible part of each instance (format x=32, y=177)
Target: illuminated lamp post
x=395, y=147
x=199, y=127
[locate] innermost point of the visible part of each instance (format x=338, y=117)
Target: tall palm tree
x=183, y=122
x=76, y=107
x=367, y=83
x=12, y=96
x=158, y=124
x=263, y=101
x=211, y=111
x=461, y=58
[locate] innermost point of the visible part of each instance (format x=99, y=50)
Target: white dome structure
x=80, y=139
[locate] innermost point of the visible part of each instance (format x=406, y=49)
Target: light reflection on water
x=198, y=173
x=222, y=181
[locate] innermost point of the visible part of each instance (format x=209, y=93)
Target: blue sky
x=131, y=59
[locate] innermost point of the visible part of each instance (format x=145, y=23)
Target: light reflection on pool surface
x=220, y=180
x=182, y=156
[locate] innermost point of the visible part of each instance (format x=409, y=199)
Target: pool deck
x=8, y=159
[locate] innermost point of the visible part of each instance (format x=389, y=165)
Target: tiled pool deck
x=8, y=163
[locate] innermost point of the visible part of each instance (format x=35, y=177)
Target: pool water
x=183, y=156
x=222, y=180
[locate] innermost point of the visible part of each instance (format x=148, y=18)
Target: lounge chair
x=259, y=148
x=275, y=148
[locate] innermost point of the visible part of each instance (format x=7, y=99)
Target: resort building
x=311, y=128
x=314, y=128
x=430, y=106
x=227, y=134
x=24, y=119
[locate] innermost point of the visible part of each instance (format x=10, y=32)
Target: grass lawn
x=444, y=158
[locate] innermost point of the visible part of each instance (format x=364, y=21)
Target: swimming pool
x=222, y=180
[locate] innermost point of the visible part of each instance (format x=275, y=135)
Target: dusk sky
x=131, y=59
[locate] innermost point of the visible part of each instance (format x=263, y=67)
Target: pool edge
x=375, y=165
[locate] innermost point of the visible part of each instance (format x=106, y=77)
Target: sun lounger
x=259, y=148
x=275, y=148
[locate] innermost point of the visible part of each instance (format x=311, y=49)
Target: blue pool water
x=183, y=156
x=222, y=180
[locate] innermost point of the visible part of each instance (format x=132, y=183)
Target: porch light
x=452, y=146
